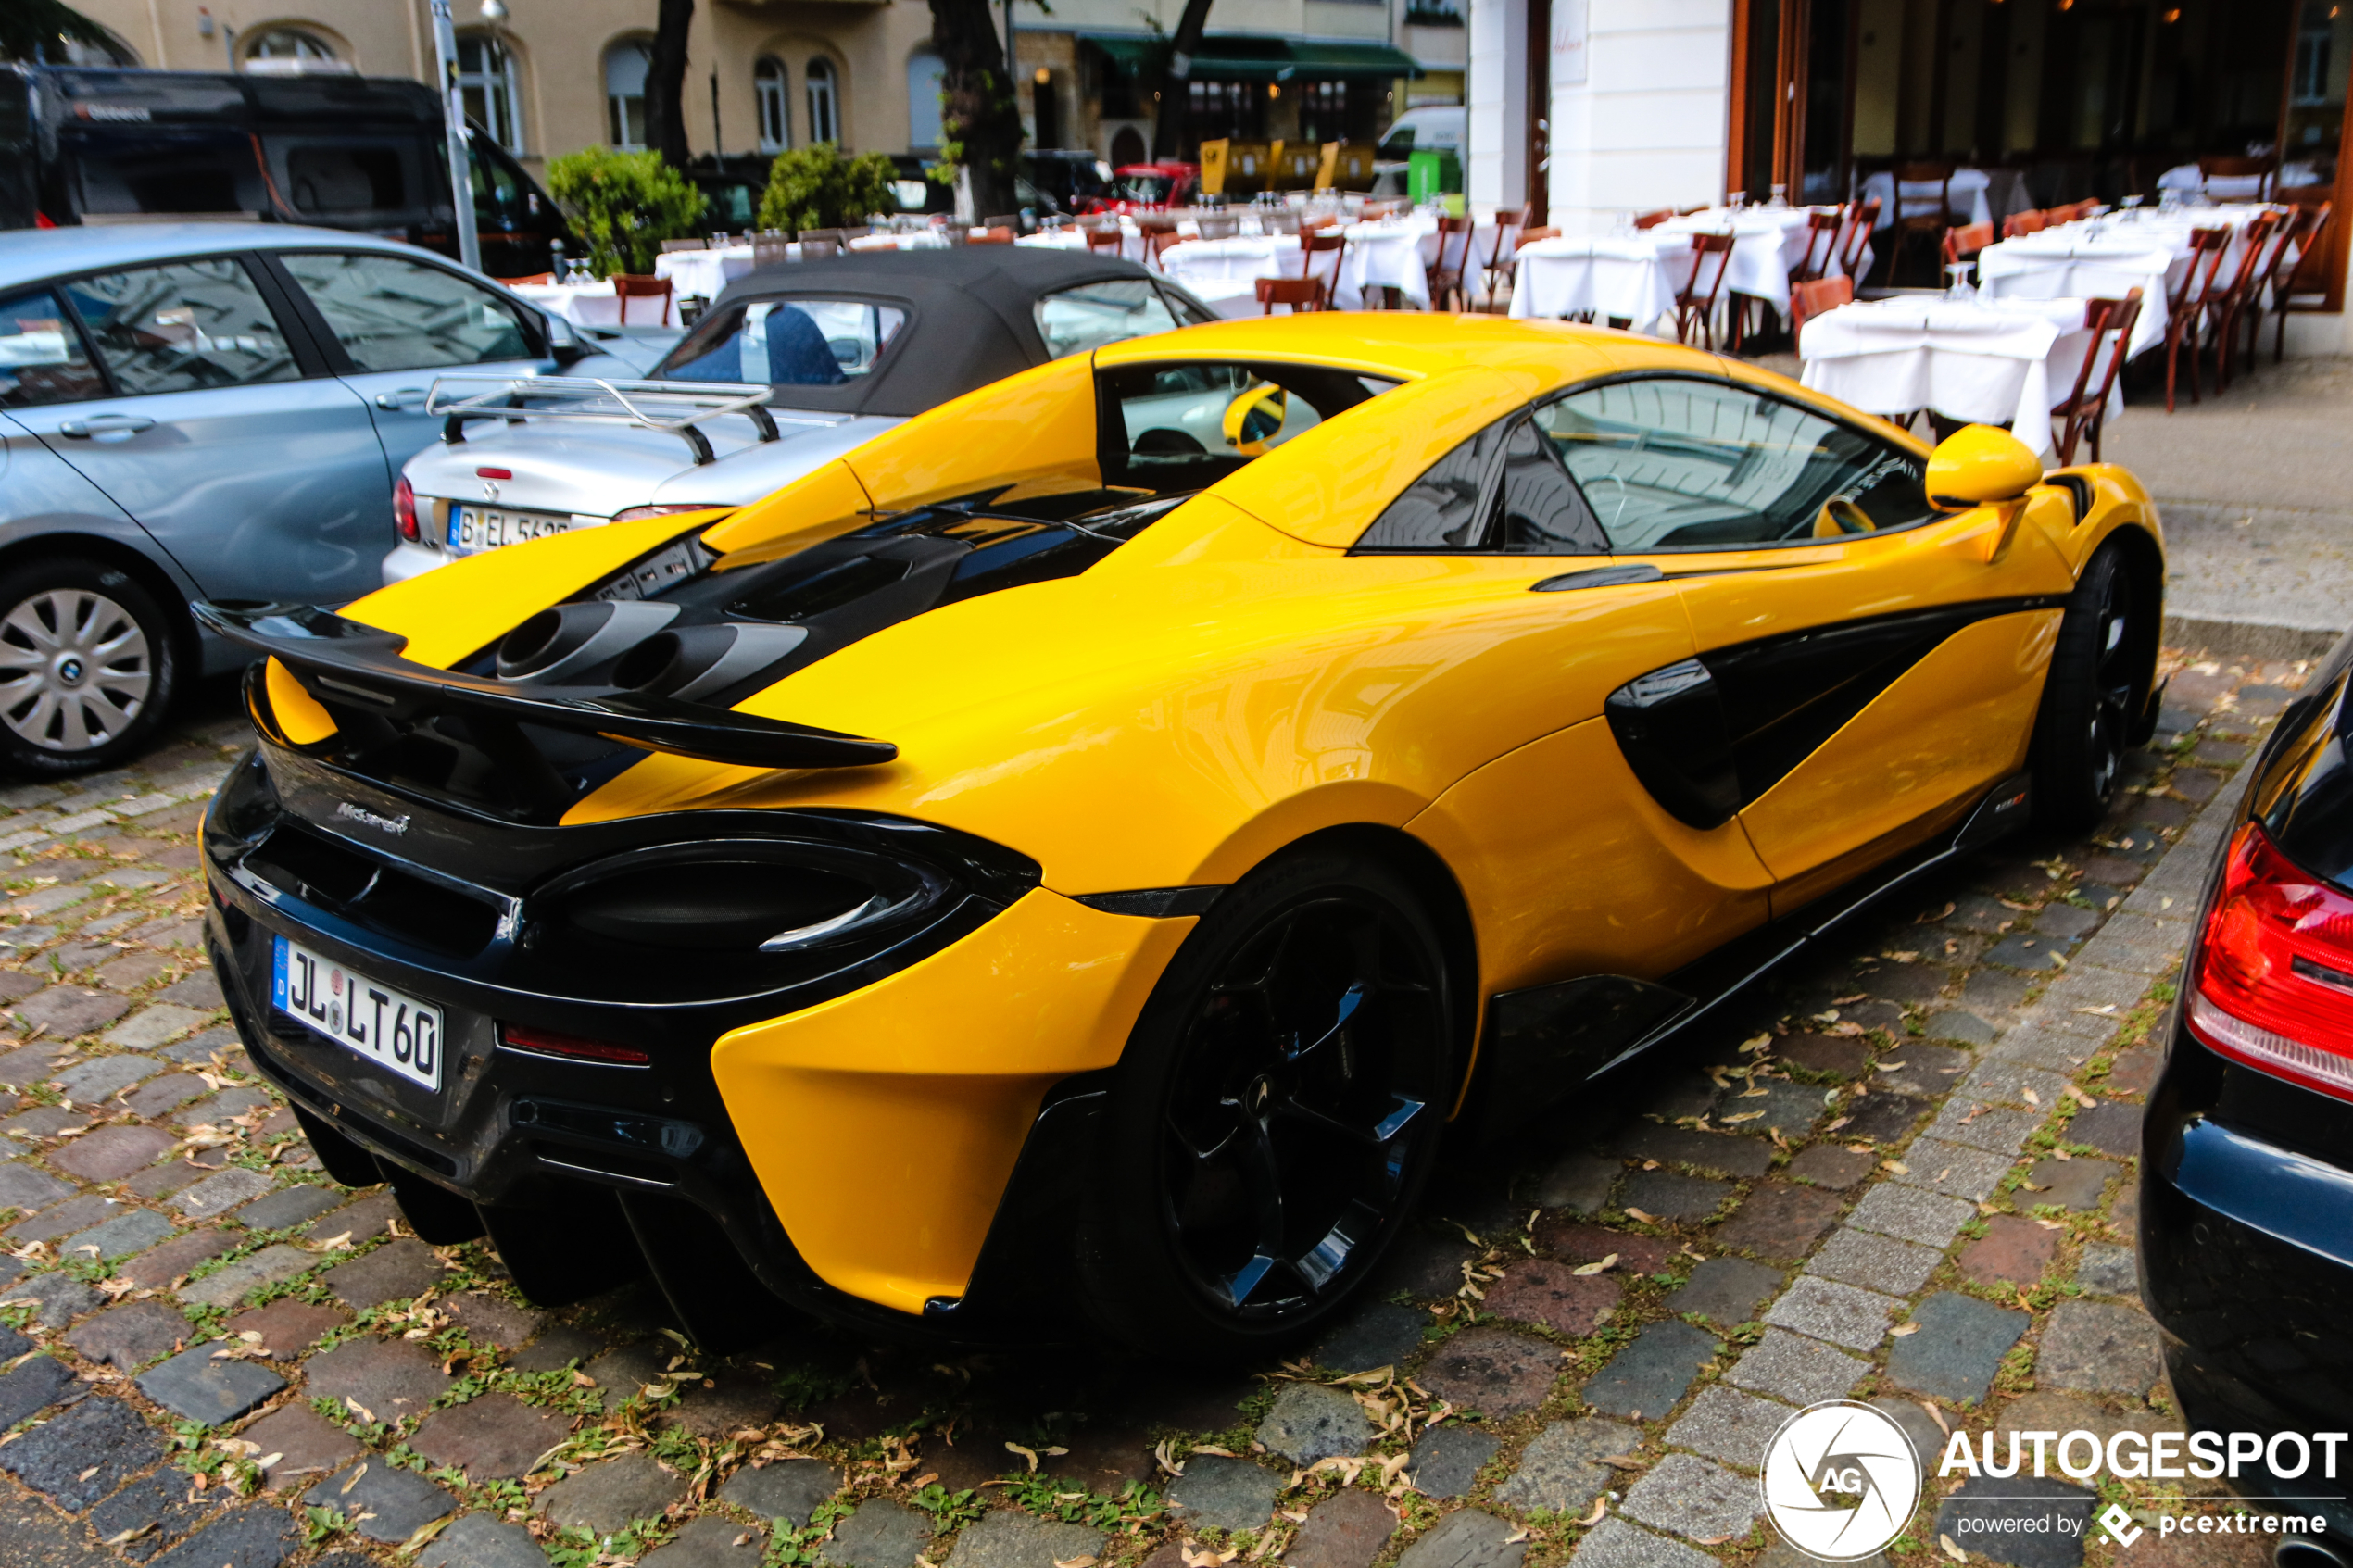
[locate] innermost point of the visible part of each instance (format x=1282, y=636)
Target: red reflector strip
x=494, y=473
x=546, y=1042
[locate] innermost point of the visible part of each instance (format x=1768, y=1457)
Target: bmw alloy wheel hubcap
x=75, y=669
x=1307, y=1091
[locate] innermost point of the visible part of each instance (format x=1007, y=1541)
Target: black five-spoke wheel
x=2096, y=676
x=1279, y=1112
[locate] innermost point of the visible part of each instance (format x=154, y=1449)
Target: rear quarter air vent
x=333, y=876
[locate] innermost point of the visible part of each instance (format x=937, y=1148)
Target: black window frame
x=1722, y=547
x=309, y=362
x=1487, y=509
x=335, y=359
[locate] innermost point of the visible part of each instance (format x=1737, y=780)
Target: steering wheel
x=1255, y=419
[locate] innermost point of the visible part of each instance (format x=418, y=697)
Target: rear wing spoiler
x=358, y=668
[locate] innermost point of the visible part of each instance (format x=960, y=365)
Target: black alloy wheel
x=1278, y=1111
x=2086, y=723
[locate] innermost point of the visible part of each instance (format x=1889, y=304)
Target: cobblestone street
x=1908, y=1178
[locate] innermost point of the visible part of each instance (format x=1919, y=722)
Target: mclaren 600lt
x=1083, y=848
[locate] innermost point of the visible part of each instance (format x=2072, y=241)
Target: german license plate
x=489, y=528
x=389, y=1028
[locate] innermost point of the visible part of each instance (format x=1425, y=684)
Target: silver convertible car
x=208, y=411
x=792, y=366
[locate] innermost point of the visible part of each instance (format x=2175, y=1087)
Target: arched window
x=625, y=94
x=289, y=44
x=924, y=76
x=486, y=78
x=825, y=118
x=768, y=86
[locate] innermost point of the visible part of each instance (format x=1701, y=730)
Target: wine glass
x=1958, y=289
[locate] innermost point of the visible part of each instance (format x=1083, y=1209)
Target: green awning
x=1241, y=57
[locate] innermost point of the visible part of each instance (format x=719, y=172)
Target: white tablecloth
x=1921, y=196
x=702, y=272
x=1981, y=361
x=2066, y=264
x=585, y=304
x=2222, y=187
x=1223, y=274
x=1385, y=255
x=1767, y=243
x=1610, y=276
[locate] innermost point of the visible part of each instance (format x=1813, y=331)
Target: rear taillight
x=2272, y=983
x=548, y=1042
x=404, y=509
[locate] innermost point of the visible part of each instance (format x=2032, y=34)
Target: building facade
x=549, y=76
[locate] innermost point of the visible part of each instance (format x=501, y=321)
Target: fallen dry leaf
x=1956, y=1553
x=1639, y=1214
x=1595, y=1268
x=1901, y=1330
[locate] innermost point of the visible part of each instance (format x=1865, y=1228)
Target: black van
x=84, y=145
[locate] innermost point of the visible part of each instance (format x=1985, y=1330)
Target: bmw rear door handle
x=407, y=399
x=101, y=426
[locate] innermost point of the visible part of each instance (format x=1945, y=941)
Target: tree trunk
x=666, y=84
x=980, y=120
x=1176, y=88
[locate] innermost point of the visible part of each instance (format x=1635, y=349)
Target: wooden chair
x=1158, y=243
x=1963, y=243
x=1000, y=234
x=1862, y=221
x=2019, y=224
x=1817, y=298
x=2237, y=168
x=2241, y=293
x=1300, y=293
x=1653, y=219
x=1446, y=275
x=1501, y=269
x=1530, y=237
x=627, y=286
x=1106, y=238
x=2185, y=311
x=817, y=243
x=2304, y=289
x=1930, y=226
x=2085, y=409
x=1695, y=302
x=769, y=250
x=1821, y=246
x=1319, y=242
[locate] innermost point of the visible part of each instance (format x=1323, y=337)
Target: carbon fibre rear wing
x=356, y=668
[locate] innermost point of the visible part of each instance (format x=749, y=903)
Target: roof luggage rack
x=676, y=406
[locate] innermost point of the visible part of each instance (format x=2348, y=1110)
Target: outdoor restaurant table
x=1620, y=276
x=1385, y=255
x=2222, y=187
x=702, y=273
x=584, y=304
x=1767, y=243
x=1223, y=274
x=2100, y=259
x=2002, y=362
x=1921, y=196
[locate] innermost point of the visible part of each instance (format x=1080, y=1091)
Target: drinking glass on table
x=1779, y=198
x=1957, y=287
x=2131, y=209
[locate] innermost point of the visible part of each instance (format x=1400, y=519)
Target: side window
x=1671, y=464
x=798, y=341
x=1073, y=321
x=185, y=327
x=1532, y=508
x=391, y=314
x=1184, y=425
x=1439, y=511
x=40, y=355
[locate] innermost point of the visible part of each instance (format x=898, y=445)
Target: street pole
x=453, y=120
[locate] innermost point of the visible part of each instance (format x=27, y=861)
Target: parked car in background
x=208, y=410
x=1062, y=184
x=365, y=154
x=2247, y=1157
x=790, y=367
x=732, y=188
x=1152, y=187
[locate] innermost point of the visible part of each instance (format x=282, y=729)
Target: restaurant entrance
x=2048, y=101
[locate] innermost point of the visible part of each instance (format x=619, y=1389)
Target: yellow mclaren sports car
x=1084, y=848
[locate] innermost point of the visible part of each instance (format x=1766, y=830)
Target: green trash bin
x=1432, y=174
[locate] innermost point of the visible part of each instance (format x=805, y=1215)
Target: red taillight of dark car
x=546, y=1042
x=404, y=509
x=2273, y=982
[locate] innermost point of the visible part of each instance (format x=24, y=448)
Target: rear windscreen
x=340, y=180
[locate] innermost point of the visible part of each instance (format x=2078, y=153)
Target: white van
x=1430, y=128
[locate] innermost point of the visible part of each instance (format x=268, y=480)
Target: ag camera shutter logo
x=1840, y=1480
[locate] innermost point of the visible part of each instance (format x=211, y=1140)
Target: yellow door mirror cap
x=1977, y=465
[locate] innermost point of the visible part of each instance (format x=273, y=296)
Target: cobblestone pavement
x=1909, y=1178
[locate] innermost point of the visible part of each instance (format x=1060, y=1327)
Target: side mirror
x=1977, y=465
x=565, y=345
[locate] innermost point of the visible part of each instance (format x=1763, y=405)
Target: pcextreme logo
x=1840, y=1480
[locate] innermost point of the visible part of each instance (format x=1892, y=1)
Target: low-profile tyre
x=2083, y=726
x=88, y=666
x=1275, y=1114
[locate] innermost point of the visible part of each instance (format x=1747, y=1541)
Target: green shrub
x=817, y=188
x=624, y=205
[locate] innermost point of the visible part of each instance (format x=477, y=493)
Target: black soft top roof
x=970, y=317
